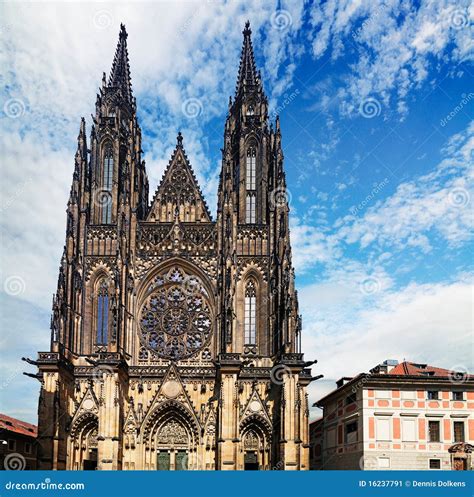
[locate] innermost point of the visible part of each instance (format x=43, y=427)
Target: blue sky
x=376, y=105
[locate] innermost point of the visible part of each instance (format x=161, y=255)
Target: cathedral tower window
x=108, y=169
x=102, y=313
x=107, y=177
x=250, y=332
x=250, y=185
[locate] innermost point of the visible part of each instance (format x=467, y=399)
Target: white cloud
x=397, y=42
x=422, y=323
x=438, y=204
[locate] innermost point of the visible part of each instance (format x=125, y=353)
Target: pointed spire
x=248, y=75
x=120, y=72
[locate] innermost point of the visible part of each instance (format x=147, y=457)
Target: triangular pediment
x=172, y=390
x=178, y=197
x=88, y=404
x=255, y=407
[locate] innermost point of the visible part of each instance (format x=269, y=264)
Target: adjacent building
x=17, y=444
x=398, y=416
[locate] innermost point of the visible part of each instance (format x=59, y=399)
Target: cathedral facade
x=175, y=338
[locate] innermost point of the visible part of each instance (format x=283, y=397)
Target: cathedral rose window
x=175, y=319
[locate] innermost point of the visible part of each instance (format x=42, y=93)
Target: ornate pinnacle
x=247, y=31
x=120, y=72
x=247, y=71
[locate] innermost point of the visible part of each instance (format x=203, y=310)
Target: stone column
x=227, y=442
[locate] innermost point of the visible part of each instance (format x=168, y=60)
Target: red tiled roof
x=416, y=369
x=17, y=426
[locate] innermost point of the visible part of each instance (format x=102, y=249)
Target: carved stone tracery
x=175, y=319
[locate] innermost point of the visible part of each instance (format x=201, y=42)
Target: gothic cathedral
x=175, y=339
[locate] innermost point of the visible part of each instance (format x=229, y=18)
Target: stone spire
x=248, y=77
x=120, y=72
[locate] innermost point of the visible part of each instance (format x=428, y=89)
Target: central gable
x=178, y=197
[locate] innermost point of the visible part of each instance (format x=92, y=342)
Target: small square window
x=433, y=395
x=350, y=399
x=458, y=395
x=435, y=463
x=351, y=432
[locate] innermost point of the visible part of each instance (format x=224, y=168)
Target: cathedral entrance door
x=250, y=461
x=163, y=461
x=459, y=464
x=181, y=460
x=91, y=463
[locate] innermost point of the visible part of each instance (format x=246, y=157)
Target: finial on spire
x=120, y=72
x=247, y=31
x=247, y=76
x=123, y=32
x=179, y=139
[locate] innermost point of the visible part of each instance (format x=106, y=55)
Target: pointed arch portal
x=171, y=438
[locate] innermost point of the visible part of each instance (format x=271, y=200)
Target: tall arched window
x=102, y=313
x=250, y=185
x=107, y=177
x=250, y=331
x=108, y=169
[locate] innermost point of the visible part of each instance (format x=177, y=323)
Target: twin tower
x=175, y=338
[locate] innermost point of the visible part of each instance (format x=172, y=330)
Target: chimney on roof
x=341, y=382
x=385, y=367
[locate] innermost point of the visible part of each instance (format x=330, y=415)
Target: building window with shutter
x=433, y=431
x=435, y=463
x=382, y=429
x=351, y=432
x=458, y=430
